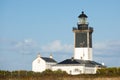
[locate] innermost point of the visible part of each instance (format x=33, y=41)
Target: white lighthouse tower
x=83, y=39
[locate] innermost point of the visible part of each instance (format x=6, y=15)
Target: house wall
x=75, y=69
x=49, y=65
x=70, y=69
x=90, y=70
x=38, y=65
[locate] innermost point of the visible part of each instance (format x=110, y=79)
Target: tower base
x=83, y=53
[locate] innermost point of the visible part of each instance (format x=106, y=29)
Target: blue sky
x=28, y=27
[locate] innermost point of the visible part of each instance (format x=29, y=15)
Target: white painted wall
x=83, y=53
x=49, y=65
x=74, y=70
x=38, y=65
x=90, y=70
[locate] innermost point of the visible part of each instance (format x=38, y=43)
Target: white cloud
x=107, y=48
x=26, y=46
x=106, y=44
x=25, y=43
x=107, y=52
x=57, y=46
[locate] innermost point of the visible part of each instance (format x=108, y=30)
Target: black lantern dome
x=82, y=15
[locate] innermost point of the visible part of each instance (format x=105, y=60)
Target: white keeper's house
x=81, y=62
x=40, y=64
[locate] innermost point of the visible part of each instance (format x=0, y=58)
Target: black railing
x=83, y=28
x=74, y=28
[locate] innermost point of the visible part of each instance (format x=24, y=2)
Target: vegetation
x=109, y=72
x=59, y=75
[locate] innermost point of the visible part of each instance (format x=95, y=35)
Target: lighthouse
x=81, y=62
x=83, y=39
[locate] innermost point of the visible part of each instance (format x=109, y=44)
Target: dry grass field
x=102, y=74
x=63, y=78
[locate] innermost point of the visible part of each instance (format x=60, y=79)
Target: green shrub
x=109, y=71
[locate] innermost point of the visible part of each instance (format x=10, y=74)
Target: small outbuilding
x=40, y=64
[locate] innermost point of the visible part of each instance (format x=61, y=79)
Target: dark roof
x=69, y=61
x=48, y=59
x=82, y=15
x=87, y=63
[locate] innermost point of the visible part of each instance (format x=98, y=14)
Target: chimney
x=72, y=59
x=38, y=55
x=51, y=56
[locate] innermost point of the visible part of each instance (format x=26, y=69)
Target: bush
x=60, y=73
x=109, y=71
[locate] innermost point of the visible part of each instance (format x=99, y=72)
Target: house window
x=76, y=70
x=80, y=71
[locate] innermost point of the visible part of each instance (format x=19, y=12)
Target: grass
x=102, y=74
